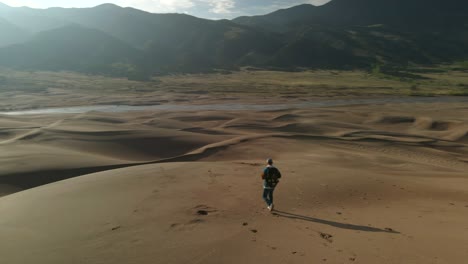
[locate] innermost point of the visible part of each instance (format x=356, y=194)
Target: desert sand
x=380, y=183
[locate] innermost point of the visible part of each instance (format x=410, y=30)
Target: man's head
x=270, y=161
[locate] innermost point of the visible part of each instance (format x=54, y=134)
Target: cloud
x=165, y=6
x=201, y=8
x=220, y=6
x=159, y=6
x=235, y=8
x=318, y=2
x=33, y=4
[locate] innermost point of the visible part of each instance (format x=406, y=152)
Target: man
x=270, y=176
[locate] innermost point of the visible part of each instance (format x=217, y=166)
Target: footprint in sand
x=204, y=210
x=251, y=164
x=327, y=237
x=196, y=221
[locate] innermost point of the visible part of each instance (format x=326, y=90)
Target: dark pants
x=268, y=196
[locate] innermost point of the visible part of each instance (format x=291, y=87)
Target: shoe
x=269, y=208
x=272, y=206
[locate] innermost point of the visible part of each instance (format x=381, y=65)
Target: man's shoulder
x=272, y=168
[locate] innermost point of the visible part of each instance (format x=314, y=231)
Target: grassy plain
x=24, y=90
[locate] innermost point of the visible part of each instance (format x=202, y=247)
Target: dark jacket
x=270, y=182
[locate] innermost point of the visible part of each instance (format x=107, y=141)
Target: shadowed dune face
x=395, y=120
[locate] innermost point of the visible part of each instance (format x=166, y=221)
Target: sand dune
x=362, y=184
x=96, y=140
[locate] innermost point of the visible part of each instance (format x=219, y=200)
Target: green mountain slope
x=407, y=14
x=346, y=33
x=11, y=34
x=29, y=19
x=341, y=34
x=172, y=41
x=70, y=48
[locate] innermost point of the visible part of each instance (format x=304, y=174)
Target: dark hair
x=270, y=161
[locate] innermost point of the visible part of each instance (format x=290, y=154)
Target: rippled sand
x=380, y=183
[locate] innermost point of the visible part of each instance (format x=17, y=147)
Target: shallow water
x=235, y=107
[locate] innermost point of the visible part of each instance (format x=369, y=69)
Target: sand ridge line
x=415, y=156
x=37, y=178
x=132, y=139
x=48, y=176
x=33, y=133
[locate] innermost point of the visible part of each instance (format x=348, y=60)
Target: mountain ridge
x=364, y=12
x=72, y=48
x=341, y=34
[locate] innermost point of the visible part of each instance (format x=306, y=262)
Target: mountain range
x=342, y=34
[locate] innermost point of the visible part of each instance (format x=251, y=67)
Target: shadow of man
x=332, y=223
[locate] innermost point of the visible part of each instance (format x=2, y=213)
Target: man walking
x=270, y=176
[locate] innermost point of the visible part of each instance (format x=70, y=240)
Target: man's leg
x=265, y=196
x=271, y=196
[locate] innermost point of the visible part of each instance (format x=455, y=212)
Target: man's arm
x=263, y=174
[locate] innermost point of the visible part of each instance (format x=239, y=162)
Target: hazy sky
x=201, y=8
